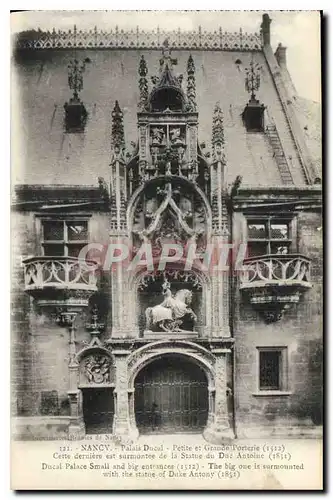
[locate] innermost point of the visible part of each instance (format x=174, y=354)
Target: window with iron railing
x=268, y=236
x=64, y=237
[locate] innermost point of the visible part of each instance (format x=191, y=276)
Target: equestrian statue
x=173, y=313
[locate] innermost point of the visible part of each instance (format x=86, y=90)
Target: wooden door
x=98, y=410
x=171, y=395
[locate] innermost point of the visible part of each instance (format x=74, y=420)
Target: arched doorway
x=171, y=395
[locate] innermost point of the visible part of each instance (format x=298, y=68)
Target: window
x=272, y=368
x=75, y=116
x=49, y=403
x=64, y=238
x=253, y=116
x=268, y=236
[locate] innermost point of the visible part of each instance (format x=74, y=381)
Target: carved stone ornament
x=169, y=213
x=273, y=283
x=96, y=369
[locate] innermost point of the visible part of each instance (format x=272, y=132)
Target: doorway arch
x=171, y=396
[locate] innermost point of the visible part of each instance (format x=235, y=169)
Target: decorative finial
x=143, y=84
x=94, y=327
x=252, y=79
x=218, y=134
x=191, y=91
x=117, y=131
x=75, y=77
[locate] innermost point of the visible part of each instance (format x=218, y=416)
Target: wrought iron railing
x=59, y=272
x=292, y=269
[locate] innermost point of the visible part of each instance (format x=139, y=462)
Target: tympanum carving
x=95, y=369
x=169, y=212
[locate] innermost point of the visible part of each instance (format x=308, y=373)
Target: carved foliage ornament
x=169, y=213
x=186, y=277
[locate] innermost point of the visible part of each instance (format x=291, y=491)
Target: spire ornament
x=75, y=111
x=191, y=90
x=94, y=327
x=117, y=130
x=75, y=77
x=218, y=134
x=118, y=171
x=252, y=79
x=143, y=84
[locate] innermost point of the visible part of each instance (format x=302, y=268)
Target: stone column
x=220, y=288
x=76, y=427
x=122, y=425
x=219, y=430
x=123, y=325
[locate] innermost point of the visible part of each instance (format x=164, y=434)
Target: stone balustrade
x=265, y=270
x=59, y=273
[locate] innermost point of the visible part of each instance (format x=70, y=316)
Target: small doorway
x=171, y=396
x=98, y=410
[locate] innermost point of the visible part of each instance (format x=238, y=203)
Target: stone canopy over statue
x=173, y=314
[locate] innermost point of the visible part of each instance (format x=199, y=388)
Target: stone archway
x=171, y=396
x=91, y=391
x=156, y=359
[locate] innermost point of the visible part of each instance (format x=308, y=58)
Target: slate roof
x=309, y=115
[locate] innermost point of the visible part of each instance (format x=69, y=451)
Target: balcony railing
x=282, y=270
x=62, y=273
x=274, y=282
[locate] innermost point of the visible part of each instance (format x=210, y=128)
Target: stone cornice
x=277, y=198
x=46, y=196
x=138, y=39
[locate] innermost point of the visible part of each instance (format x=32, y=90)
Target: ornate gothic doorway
x=171, y=395
x=98, y=410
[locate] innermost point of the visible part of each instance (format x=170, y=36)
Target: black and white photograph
x=166, y=250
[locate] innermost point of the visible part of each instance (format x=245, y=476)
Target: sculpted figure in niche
x=173, y=312
x=176, y=136
x=157, y=136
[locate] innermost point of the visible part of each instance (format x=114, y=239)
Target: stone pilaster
x=121, y=424
x=123, y=305
x=76, y=429
x=218, y=429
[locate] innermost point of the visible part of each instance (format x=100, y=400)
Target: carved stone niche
x=96, y=370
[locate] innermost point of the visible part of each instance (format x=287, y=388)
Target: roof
x=309, y=116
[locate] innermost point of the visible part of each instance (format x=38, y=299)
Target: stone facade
x=255, y=332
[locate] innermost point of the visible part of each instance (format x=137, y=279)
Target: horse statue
x=172, y=313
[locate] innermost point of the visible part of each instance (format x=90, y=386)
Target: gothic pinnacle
x=117, y=131
x=143, y=83
x=191, y=90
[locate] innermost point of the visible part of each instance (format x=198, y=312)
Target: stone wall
x=40, y=349
x=300, y=330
